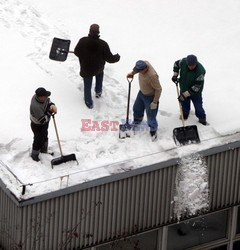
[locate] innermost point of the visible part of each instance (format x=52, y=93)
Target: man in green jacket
x=191, y=80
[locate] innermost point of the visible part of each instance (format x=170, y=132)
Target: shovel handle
x=180, y=107
x=55, y=126
x=129, y=94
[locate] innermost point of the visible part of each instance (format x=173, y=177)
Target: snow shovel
x=60, y=49
x=62, y=158
x=124, y=129
x=186, y=134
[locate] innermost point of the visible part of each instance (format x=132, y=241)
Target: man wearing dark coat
x=93, y=53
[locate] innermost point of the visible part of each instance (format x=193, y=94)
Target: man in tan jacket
x=148, y=95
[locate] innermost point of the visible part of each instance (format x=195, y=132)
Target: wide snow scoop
x=62, y=158
x=186, y=134
x=60, y=49
x=125, y=129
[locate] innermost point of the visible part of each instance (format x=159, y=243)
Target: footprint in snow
x=165, y=113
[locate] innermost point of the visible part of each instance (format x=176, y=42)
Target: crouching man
x=41, y=109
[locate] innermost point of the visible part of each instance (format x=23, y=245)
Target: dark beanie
x=191, y=60
x=94, y=30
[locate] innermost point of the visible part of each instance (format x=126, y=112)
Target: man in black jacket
x=41, y=109
x=93, y=52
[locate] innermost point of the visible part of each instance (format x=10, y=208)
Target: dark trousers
x=141, y=104
x=198, y=105
x=88, y=87
x=40, y=133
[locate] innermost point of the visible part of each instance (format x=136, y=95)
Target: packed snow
x=158, y=31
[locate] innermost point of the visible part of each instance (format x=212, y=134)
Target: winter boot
x=153, y=135
x=203, y=121
x=44, y=148
x=98, y=95
x=35, y=154
x=90, y=106
x=136, y=124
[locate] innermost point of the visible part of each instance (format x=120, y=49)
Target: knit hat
x=191, y=60
x=94, y=30
x=42, y=92
x=140, y=65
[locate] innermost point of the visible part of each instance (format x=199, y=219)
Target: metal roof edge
x=9, y=193
x=123, y=175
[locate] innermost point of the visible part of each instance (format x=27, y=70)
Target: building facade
x=131, y=210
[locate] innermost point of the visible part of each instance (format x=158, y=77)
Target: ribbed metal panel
x=98, y=214
x=8, y=221
x=112, y=210
x=224, y=178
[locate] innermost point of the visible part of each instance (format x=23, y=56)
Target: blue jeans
x=141, y=104
x=88, y=87
x=198, y=105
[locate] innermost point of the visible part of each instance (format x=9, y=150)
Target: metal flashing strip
x=124, y=175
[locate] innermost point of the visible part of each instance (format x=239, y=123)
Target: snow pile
x=191, y=186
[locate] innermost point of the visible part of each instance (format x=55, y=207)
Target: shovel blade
x=59, y=50
x=63, y=159
x=186, y=135
x=125, y=130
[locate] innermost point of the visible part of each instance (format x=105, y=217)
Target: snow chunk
x=191, y=193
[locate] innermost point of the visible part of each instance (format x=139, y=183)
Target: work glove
x=117, y=57
x=153, y=105
x=130, y=75
x=43, y=119
x=175, y=79
x=183, y=96
x=53, y=109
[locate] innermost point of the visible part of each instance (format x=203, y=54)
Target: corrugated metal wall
x=115, y=209
x=8, y=221
x=101, y=213
x=224, y=178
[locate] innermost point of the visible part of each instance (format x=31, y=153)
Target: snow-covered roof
x=161, y=37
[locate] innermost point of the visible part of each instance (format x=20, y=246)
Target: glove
x=117, y=57
x=153, y=105
x=183, y=96
x=43, y=119
x=130, y=75
x=175, y=79
x=53, y=109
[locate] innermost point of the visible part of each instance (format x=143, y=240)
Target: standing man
x=93, y=53
x=191, y=83
x=41, y=109
x=148, y=95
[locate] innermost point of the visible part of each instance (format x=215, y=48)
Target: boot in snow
x=34, y=155
x=203, y=121
x=153, y=135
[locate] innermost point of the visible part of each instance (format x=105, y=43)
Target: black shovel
x=124, y=129
x=62, y=158
x=186, y=134
x=60, y=49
